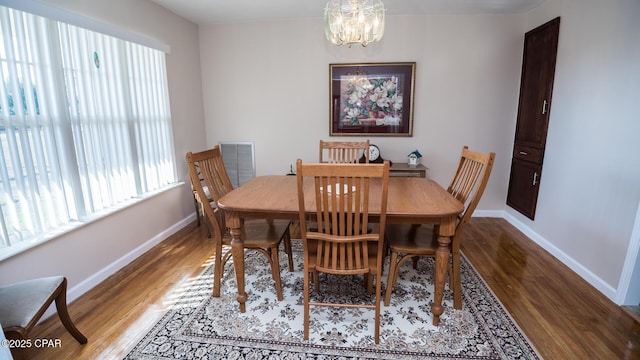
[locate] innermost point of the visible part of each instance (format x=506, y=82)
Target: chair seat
x=20, y=302
x=414, y=239
x=261, y=233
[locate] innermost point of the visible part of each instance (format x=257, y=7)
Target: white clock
x=374, y=153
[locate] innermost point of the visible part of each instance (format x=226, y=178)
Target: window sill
x=13, y=250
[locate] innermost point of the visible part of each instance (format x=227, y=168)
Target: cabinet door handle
x=524, y=153
x=544, y=107
x=535, y=178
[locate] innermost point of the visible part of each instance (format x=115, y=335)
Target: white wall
x=89, y=254
x=269, y=83
x=590, y=185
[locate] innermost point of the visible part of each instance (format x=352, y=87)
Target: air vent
x=239, y=161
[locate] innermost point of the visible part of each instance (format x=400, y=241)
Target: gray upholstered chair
x=22, y=304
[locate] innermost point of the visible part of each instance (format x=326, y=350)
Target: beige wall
x=268, y=83
x=590, y=187
x=89, y=254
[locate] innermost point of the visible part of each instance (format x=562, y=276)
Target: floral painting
x=375, y=99
x=372, y=99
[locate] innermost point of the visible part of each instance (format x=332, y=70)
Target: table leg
x=446, y=230
x=234, y=222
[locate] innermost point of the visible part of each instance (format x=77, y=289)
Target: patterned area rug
x=201, y=327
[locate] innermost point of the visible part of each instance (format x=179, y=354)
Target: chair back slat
x=463, y=184
x=343, y=152
x=202, y=173
x=468, y=185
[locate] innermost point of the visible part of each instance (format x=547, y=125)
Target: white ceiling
x=226, y=11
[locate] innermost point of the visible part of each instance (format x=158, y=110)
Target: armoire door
x=523, y=186
x=536, y=88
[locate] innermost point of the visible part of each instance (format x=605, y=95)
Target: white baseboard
x=583, y=272
x=109, y=270
x=488, y=213
x=95, y=279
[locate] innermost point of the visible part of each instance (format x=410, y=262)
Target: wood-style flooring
x=564, y=316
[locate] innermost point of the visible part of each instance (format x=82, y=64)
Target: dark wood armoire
x=536, y=88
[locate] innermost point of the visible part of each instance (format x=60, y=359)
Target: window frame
x=63, y=158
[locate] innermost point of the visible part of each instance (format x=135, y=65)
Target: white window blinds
x=85, y=125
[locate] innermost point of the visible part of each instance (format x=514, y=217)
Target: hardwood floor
x=564, y=316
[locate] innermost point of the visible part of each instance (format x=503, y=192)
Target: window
x=85, y=125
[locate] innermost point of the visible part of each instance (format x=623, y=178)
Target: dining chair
x=264, y=236
x=23, y=303
x=341, y=204
x=413, y=241
x=342, y=152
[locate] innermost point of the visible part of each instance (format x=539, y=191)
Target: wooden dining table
x=410, y=200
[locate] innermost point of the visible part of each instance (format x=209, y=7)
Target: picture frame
x=371, y=99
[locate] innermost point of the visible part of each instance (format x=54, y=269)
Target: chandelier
x=354, y=21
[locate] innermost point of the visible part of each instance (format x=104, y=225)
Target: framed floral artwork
x=372, y=99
